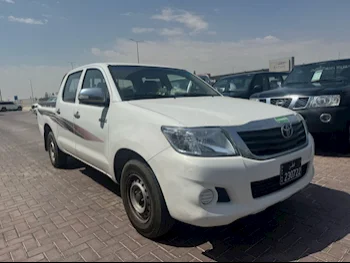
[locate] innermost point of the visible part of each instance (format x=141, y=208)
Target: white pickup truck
x=9, y=106
x=177, y=148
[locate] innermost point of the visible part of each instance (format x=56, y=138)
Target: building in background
x=282, y=64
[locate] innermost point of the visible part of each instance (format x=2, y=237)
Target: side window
x=266, y=85
x=94, y=79
x=71, y=87
x=274, y=80
x=261, y=80
x=258, y=81
x=221, y=85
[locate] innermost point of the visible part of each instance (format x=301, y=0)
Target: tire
x=3, y=109
x=150, y=215
x=57, y=157
x=19, y=109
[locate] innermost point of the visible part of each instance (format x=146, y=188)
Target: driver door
x=92, y=124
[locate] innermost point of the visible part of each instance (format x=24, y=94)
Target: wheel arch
x=47, y=130
x=122, y=157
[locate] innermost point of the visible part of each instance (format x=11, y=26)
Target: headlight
x=324, y=101
x=255, y=99
x=206, y=142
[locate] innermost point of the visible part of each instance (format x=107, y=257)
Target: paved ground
x=76, y=214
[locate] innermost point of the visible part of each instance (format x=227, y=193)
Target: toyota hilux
x=178, y=152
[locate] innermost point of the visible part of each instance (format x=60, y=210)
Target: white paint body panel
x=136, y=125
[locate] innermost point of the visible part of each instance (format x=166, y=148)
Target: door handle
x=58, y=111
x=77, y=115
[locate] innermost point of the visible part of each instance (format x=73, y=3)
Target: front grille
x=272, y=185
x=262, y=100
x=285, y=103
x=301, y=103
x=271, y=141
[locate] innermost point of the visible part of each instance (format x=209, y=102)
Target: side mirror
x=93, y=96
x=257, y=89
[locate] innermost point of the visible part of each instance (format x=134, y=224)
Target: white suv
x=177, y=148
x=9, y=106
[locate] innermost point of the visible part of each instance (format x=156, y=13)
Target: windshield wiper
x=194, y=95
x=328, y=80
x=156, y=96
x=292, y=83
x=146, y=97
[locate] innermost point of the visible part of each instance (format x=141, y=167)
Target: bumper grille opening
x=272, y=185
x=301, y=103
x=285, y=103
x=222, y=195
x=271, y=141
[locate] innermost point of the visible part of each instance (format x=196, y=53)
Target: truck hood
x=211, y=111
x=309, y=89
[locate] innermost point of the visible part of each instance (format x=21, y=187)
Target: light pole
x=0, y=95
x=31, y=88
x=137, y=48
x=72, y=64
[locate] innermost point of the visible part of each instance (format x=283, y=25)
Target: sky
x=41, y=40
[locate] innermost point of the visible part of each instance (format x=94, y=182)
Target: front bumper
x=338, y=123
x=182, y=179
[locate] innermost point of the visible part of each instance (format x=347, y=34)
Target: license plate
x=290, y=171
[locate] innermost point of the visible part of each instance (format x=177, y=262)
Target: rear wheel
x=143, y=200
x=57, y=157
x=3, y=109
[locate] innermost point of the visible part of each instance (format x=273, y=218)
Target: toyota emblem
x=287, y=130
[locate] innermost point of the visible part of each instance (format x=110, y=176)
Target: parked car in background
x=320, y=92
x=10, y=106
x=177, y=148
x=206, y=78
x=246, y=84
x=51, y=102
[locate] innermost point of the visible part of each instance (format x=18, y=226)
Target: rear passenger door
x=92, y=124
x=65, y=109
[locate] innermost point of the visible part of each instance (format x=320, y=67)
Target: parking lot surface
x=77, y=215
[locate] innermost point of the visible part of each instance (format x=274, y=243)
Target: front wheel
x=143, y=200
x=3, y=109
x=57, y=157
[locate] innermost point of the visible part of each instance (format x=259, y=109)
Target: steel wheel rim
x=139, y=198
x=52, y=151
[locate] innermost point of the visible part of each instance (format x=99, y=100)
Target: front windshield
x=139, y=82
x=335, y=71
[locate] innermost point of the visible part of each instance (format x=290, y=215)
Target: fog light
x=206, y=197
x=325, y=117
